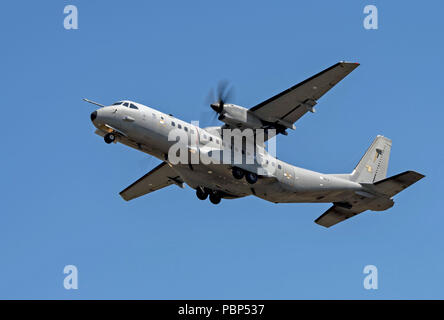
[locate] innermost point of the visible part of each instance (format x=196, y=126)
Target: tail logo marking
x=377, y=154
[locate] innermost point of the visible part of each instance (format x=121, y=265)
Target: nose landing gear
x=109, y=137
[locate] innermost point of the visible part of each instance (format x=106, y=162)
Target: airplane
x=147, y=129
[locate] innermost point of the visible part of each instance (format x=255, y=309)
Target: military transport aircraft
x=149, y=130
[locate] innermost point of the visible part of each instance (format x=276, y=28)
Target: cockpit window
x=126, y=104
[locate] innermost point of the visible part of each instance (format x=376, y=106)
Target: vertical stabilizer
x=373, y=165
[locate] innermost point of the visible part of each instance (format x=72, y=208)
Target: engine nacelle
x=238, y=116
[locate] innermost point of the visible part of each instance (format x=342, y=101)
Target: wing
x=335, y=215
x=285, y=108
x=160, y=177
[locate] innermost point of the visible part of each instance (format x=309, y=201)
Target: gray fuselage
x=147, y=130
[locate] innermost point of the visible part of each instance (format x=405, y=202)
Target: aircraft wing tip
x=356, y=64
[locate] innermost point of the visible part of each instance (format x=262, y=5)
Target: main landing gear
x=251, y=177
x=109, y=137
x=203, y=193
x=215, y=197
x=238, y=173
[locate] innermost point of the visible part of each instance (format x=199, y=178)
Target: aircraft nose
x=93, y=116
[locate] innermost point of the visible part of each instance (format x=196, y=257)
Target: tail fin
x=373, y=165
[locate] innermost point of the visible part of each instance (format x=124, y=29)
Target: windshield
x=125, y=104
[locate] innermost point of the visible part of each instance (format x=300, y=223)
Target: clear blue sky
x=60, y=182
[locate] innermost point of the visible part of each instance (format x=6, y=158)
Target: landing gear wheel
x=215, y=198
x=201, y=194
x=251, y=177
x=238, y=173
x=109, y=137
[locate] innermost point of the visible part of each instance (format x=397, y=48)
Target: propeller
x=224, y=94
x=208, y=118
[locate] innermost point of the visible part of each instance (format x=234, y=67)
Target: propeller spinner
x=224, y=94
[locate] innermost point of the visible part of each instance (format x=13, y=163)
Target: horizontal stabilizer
x=335, y=215
x=395, y=184
x=382, y=192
